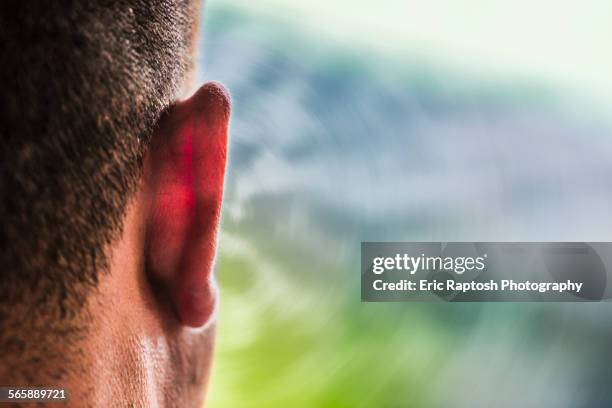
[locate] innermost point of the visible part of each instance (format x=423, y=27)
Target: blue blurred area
x=331, y=147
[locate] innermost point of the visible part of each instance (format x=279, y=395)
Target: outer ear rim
x=211, y=97
x=202, y=122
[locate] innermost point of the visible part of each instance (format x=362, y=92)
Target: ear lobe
x=185, y=172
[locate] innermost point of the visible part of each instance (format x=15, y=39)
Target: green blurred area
x=286, y=342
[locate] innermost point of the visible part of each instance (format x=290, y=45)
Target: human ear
x=184, y=173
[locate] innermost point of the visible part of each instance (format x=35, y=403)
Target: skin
x=153, y=317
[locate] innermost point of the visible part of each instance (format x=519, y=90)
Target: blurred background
x=431, y=120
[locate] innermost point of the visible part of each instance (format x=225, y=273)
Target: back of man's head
x=83, y=85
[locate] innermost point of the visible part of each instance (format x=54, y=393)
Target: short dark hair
x=83, y=84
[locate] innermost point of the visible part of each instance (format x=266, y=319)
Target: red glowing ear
x=185, y=171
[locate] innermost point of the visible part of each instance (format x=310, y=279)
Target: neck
x=101, y=356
